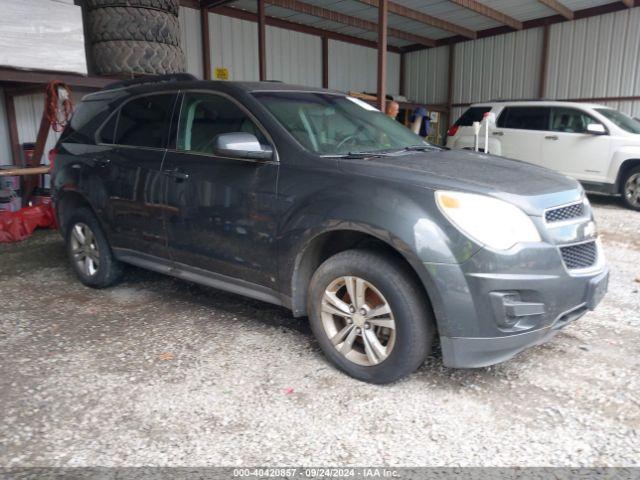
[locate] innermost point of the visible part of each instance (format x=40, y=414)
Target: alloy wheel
x=84, y=249
x=632, y=190
x=358, y=320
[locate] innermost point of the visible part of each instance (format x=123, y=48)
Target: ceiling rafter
x=489, y=12
x=339, y=17
x=420, y=17
x=559, y=7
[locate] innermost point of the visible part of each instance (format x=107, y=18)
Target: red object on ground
x=16, y=226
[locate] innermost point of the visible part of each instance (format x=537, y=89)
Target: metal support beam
x=326, y=14
x=558, y=7
x=489, y=12
x=451, y=79
x=544, y=62
x=383, y=16
x=13, y=129
x=262, y=52
x=403, y=66
x=420, y=17
x=325, y=62
x=206, y=44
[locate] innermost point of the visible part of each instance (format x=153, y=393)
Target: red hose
x=58, y=112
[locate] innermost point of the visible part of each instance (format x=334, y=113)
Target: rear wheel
x=631, y=188
x=89, y=251
x=370, y=317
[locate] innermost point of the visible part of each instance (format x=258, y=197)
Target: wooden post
x=544, y=61
x=206, y=44
x=383, y=10
x=262, y=60
x=13, y=129
x=325, y=62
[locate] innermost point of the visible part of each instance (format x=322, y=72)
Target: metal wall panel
x=5, y=142
x=234, y=45
x=501, y=67
x=294, y=57
x=427, y=75
x=595, y=57
x=354, y=67
x=191, y=39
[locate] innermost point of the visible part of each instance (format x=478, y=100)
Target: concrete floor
x=156, y=371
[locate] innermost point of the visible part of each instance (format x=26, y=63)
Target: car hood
x=530, y=187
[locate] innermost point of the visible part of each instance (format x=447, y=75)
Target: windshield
x=337, y=125
x=620, y=119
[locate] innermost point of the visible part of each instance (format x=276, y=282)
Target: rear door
x=221, y=211
x=132, y=173
x=520, y=130
x=570, y=149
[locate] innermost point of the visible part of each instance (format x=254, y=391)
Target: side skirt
x=200, y=276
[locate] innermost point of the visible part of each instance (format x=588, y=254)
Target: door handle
x=100, y=162
x=551, y=137
x=498, y=134
x=177, y=174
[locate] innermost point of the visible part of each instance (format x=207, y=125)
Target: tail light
x=52, y=159
x=453, y=130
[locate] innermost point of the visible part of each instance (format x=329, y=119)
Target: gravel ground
x=157, y=371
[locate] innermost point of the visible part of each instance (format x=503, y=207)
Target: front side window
x=144, y=121
x=524, y=118
x=570, y=120
x=620, y=119
x=334, y=124
x=205, y=116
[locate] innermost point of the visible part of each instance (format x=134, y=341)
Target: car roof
x=151, y=86
x=536, y=103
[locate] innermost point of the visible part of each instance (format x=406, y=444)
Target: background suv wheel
x=631, y=188
x=89, y=251
x=370, y=316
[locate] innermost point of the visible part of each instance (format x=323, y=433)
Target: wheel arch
x=626, y=165
x=327, y=243
x=66, y=203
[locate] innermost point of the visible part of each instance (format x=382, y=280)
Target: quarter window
x=473, y=114
x=525, y=118
x=144, y=121
x=570, y=120
x=205, y=116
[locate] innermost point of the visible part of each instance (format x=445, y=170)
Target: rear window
x=144, y=121
x=473, y=114
x=525, y=118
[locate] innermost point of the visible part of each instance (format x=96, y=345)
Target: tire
x=170, y=6
x=107, y=270
x=119, y=57
x=388, y=282
x=137, y=24
x=630, y=188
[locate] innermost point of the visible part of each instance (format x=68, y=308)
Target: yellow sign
x=221, y=74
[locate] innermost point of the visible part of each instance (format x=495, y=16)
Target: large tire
x=138, y=24
x=630, y=188
x=119, y=57
x=106, y=269
x=171, y=6
x=393, y=285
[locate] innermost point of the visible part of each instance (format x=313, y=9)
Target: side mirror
x=596, y=129
x=241, y=145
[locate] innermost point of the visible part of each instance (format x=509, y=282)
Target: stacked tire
x=134, y=37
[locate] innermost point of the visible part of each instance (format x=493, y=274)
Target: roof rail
x=500, y=100
x=173, y=77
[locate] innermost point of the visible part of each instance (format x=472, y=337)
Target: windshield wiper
x=360, y=155
x=420, y=148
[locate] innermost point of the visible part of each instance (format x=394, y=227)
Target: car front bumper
x=527, y=296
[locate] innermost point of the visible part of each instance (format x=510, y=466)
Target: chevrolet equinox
x=316, y=201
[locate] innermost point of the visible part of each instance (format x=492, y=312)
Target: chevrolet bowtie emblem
x=589, y=230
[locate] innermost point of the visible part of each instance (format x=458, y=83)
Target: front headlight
x=497, y=224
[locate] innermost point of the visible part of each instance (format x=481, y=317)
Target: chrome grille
x=568, y=212
x=582, y=255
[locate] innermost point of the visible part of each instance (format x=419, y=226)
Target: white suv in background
x=597, y=145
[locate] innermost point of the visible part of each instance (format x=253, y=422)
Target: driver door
x=222, y=211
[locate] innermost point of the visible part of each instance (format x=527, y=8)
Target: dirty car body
x=261, y=224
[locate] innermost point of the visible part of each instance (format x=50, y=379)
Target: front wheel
x=631, y=188
x=369, y=315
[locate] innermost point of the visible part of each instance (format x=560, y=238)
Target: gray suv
x=314, y=200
